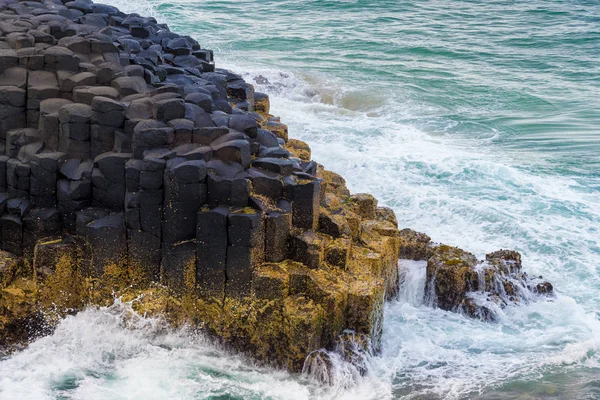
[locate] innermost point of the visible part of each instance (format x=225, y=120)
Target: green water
x=477, y=121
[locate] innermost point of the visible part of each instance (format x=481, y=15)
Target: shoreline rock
x=457, y=281
x=131, y=166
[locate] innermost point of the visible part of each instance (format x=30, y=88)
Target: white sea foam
x=112, y=353
x=463, y=194
x=461, y=191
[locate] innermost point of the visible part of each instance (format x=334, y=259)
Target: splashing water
x=113, y=353
x=478, y=123
x=412, y=282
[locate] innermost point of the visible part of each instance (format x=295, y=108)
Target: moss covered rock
x=457, y=281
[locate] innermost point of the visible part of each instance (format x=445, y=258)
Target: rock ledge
x=130, y=166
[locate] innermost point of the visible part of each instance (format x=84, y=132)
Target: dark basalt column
x=117, y=130
x=121, y=142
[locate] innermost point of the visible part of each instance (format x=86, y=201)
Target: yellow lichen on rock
x=65, y=290
x=449, y=270
x=262, y=105
x=303, y=323
x=270, y=281
x=11, y=267
x=329, y=288
x=338, y=253
x=298, y=148
x=17, y=311
x=334, y=183
x=415, y=245
x=280, y=130
x=365, y=307
x=336, y=278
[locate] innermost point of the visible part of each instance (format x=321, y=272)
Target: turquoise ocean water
x=477, y=121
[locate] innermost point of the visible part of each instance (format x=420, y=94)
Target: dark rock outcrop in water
x=457, y=281
x=130, y=166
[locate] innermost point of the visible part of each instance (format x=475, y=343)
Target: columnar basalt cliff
x=132, y=167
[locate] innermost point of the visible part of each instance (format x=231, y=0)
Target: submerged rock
x=344, y=364
x=319, y=367
x=457, y=281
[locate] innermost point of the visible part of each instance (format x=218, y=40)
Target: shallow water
x=478, y=122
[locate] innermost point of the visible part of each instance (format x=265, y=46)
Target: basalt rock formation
x=457, y=281
x=130, y=166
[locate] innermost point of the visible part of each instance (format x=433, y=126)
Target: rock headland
x=131, y=166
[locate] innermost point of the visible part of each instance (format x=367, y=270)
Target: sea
x=477, y=121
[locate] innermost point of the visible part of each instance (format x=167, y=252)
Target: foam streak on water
x=112, y=353
x=477, y=122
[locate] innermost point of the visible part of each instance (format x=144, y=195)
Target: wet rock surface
x=458, y=281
